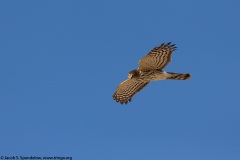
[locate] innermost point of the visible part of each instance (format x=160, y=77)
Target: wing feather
x=158, y=57
x=127, y=89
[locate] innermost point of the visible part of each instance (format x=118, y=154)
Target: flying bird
x=150, y=69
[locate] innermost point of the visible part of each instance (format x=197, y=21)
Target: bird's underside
x=150, y=69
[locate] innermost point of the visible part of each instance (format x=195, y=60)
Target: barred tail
x=178, y=76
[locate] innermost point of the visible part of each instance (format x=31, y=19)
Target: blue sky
x=61, y=61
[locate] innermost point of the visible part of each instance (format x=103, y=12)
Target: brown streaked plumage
x=150, y=69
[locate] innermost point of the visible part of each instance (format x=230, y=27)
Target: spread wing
x=127, y=89
x=158, y=57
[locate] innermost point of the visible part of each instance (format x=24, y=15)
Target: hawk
x=150, y=69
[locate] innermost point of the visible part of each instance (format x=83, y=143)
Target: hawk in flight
x=150, y=69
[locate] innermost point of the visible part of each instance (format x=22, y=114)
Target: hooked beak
x=129, y=76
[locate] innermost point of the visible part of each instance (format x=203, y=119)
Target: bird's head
x=133, y=74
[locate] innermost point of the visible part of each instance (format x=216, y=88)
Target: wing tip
x=120, y=100
x=169, y=45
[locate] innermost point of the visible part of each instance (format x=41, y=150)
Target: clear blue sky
x=61, y=61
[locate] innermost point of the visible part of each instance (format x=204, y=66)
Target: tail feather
x=178, y=76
